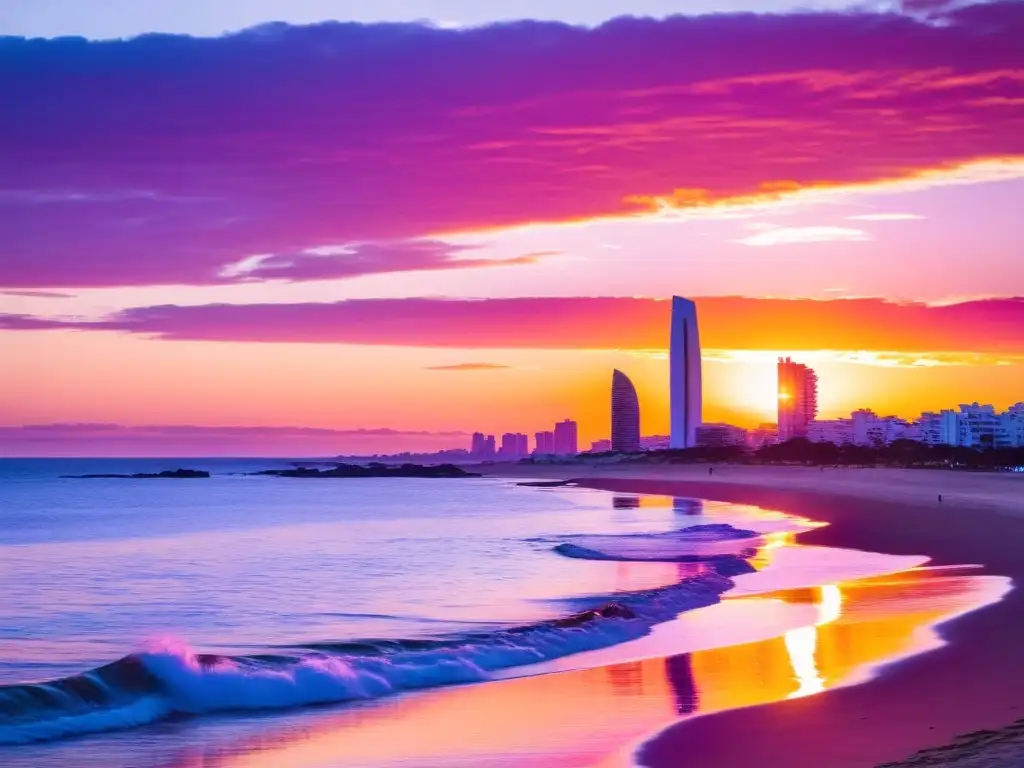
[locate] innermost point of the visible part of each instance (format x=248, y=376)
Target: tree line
x=899, y=453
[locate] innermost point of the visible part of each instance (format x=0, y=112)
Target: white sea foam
x=696, y=543
x=169, y=677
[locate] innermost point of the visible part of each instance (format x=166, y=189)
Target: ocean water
x=132, y=604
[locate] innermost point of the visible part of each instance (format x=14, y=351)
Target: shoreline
x=926, y=702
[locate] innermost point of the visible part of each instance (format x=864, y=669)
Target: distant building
x=720, y=435
x=655, y=443
x=545, y=443
x=765, y=434
x=565, y=438
x=625, y=414
x=938, y=428
x=685, y=386
x=600, y=446
x=1011, y=428
x=977, y=426
x=513, y=446
x=798, y=399
x=489, y=449
x=476, y=449
x=864, y=427
x=871, y=429
x=837, y=431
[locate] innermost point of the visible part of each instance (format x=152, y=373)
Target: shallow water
x=454, y=581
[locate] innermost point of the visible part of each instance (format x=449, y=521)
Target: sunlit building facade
x=625, y=414
x=798, y=399
x=720, y=435
x=685, y=382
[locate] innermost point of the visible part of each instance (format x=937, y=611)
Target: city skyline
x=258, y=280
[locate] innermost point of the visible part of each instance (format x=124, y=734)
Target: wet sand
x=925, y=702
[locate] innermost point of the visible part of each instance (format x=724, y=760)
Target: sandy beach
x=961, y=702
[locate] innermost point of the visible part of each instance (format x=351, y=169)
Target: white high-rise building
x=685, y=403
x=1011, y=428
x=977, y=426
x=938, y=428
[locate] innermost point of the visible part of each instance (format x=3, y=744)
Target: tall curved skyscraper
x=685, y=401
x=625, y=414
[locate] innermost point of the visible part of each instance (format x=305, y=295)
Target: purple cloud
x=727, y=322
x=365, y=259
x=165, y=159
x=39, y=294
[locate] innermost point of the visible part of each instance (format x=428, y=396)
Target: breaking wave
x=169, y=678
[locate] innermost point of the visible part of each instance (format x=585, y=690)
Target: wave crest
x=170, y=678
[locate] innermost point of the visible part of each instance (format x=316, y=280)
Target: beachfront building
x=625, y=414
x=685, y=404
x=864, y=427
x=871, y=429
x=798, y=398
x=837, y=431
x=720, y=435
x=977, y=425
x=1011, y=428
x=938, y=428
x=565, y=436
x=601, y=446
x=544, y=444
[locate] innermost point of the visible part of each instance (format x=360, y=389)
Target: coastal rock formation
x=373, y=470
x=172, y=474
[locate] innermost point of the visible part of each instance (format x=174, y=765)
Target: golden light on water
x=802, y=643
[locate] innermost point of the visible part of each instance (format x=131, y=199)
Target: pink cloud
x=79, y=439
x=162, y=160
x=366, y=259
x=983, y=326
x=460, y=367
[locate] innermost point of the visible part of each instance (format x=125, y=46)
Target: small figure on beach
x=940, y=497
x=711, y=470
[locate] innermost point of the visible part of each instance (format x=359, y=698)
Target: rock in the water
x=373, y=470
x=172, y=474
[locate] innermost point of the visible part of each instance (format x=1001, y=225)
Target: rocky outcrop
x=373, y=470
x=171, y=474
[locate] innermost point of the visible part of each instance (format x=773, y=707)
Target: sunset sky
x=310, y=237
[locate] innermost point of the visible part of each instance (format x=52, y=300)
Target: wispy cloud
x=885, y=217
x=468, y=367
x=799, y=235
x=987, y=326
x=874, y=358
x=39, y=294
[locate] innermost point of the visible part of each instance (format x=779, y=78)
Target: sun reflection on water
x=802, y=643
